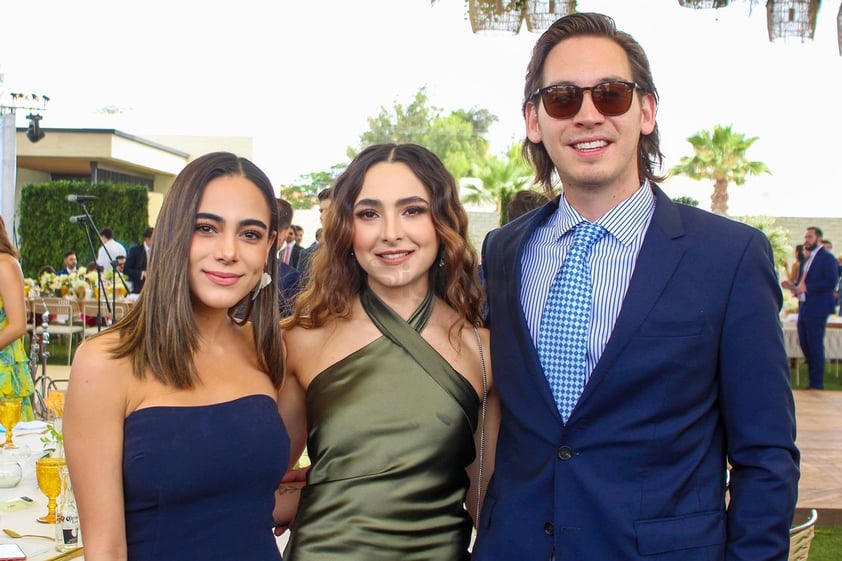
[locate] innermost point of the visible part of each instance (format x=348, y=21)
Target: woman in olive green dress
x=15, y=380
x=385, y=351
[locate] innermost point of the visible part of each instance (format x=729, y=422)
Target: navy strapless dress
x=199, y=482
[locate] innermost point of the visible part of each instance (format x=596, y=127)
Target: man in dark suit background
x=136, y=261
x=307, y=255
x=289, y=279
x=69, y=261
x=291, y=251
x=816, y=284
x=683, y=371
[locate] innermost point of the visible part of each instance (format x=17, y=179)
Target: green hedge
x=45, y=231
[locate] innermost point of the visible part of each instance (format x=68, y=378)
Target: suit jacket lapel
x=513, y=278
x=658, y=258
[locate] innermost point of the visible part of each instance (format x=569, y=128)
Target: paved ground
x=819, y=438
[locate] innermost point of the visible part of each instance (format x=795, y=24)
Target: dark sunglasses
x=564, y=100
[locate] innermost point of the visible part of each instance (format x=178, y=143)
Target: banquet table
x=19, y=514
x=832, y=340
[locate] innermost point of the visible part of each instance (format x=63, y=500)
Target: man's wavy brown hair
x=336, y=277
x=649, y=156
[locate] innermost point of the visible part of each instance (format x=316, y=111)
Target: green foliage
x=45, y=231
x=303, y=193
x=685, y=200
x=827, y=545
x=720, y=156
x=501, y=178
x=778, y=237
x=456, y=138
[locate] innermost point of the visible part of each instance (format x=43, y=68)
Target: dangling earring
x=441, y=262
x=265, y=280
x=352, y=253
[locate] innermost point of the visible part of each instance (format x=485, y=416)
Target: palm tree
x=720, y=156
x=501, y=178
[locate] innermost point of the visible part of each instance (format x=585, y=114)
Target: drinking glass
x=48, y=474
x=9, y=417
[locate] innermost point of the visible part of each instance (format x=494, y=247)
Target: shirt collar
x=625, y=221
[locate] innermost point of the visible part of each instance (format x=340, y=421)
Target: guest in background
x=172, y=429
x=69, y=261
x=46, y=269
x=110, y=250
x=299, y=234
x=136, y=261
x=795, y=269
x=15, y=380
x=387, y=351
x=524, y=201
x=289, y=278
x=307, y=254
x=291, y=252
x=814, y=289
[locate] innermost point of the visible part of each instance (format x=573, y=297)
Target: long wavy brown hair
x=160, y=333
x=649, y=156
x=336, y=277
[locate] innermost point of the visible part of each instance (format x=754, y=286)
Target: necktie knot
x=586, y=234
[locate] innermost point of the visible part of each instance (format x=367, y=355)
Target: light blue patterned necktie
x=563, y=335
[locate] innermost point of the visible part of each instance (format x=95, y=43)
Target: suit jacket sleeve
x=760, y=425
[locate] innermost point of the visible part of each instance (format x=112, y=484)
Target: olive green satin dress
x=391, y=433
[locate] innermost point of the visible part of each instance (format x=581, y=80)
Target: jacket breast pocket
x=666, y=328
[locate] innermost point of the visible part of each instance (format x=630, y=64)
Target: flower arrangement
x=54, y=439
x=52, y=283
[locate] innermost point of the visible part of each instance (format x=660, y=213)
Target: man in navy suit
x=137, y=260
x=687, y=372
x=818, y=280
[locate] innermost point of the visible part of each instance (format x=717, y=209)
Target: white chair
x=65, y=320
x=90, y=309
x=800, y=538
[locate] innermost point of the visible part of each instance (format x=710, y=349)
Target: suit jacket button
x=565, y=453
x=548, y=528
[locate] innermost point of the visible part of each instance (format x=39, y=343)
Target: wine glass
x=9, y=417
x=48, y=474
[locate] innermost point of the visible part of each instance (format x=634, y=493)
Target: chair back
x=800, y=538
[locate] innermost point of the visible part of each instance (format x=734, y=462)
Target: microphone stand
x=89, y=221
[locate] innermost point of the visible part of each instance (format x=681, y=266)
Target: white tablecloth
x=20, y=515
x=832, y=338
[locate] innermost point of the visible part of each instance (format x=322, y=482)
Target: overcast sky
x=301, y=78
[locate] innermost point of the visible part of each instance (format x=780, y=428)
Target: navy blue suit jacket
x=135, y=265
x=694, y=374
x=821, y=280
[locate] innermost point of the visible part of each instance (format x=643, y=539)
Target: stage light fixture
x=34, y=133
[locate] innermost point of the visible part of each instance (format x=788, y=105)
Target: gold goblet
x=48, y=473
x=9, y=417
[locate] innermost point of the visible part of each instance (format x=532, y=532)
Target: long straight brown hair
x=160, y=332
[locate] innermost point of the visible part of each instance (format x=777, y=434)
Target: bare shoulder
x=94, y=362
x=9, y=267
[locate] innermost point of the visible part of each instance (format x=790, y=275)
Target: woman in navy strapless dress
x=175, y=438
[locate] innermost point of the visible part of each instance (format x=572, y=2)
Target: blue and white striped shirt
x=612, y=262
